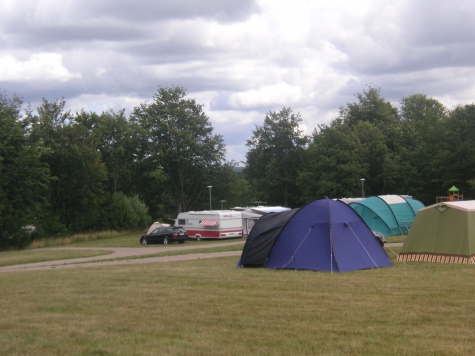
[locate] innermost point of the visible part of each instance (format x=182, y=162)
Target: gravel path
x=121, y=252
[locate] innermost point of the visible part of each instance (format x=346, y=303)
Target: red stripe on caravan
x=203, y=233
x=213, y=233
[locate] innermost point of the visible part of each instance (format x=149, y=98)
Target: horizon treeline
x=65, y=172
x=420, y=149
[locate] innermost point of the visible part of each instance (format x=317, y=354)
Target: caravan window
x=181, y=222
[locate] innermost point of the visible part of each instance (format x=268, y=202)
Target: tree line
x=420, y=148
x=65, y=172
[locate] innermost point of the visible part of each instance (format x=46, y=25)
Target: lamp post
x=209, y=187
x=258, y=202
x=362, y=187
x=222, y=201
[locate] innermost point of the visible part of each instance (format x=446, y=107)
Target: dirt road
x=121, y=252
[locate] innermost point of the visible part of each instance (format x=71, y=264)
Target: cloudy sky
x=239, y=58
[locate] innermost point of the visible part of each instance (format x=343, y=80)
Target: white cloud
x=103, y=102
x=235, y=117
x=266, y=96
x=40, y=66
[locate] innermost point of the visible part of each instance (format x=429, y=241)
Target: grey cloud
x=67, y=36
x=435, y=23
x=140, y=12
x=235, y=134
x=172, y=50
x=403, y=60
x=32, y=92
x=420, y=36
x=225, y=11
x=106, y=20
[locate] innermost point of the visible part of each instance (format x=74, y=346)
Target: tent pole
x=331, y=237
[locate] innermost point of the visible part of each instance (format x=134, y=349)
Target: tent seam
x=376, y=214
x=293, y=255
x=364, y=248
x=283, y=227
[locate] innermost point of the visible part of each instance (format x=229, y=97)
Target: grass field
x=211, y=307
x=396, y=239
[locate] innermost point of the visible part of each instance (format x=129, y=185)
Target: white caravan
x=214, y=224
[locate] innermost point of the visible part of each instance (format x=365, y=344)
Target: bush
x=128, y=213
x=142, y=212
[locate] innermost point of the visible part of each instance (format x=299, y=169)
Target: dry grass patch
x=84, y=238
x=10, y=258
x=211, y=307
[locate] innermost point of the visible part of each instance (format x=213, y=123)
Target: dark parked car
x=165, y=235
x=380, y=237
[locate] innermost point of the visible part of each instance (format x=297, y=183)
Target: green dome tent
x=444, y=233
x=388, y=214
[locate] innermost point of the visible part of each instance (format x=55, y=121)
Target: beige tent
x=155, y=225
x=443, y=232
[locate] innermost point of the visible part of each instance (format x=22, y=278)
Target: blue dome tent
x=324, y=235
x=388, y=214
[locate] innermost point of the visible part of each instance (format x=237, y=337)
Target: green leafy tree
x=417, y=146
x=454, y=159
x=240, y=193
x=379, y=141
x=275, y=157
x=374, y=109
x=224, y=188
x=177, y=139
x=334, y=163
x=151, y=184
x=141, y=210
x=77, y=194
x=114, y=136
x=23, y=176
x=123, y=215
x=396, y=152
x=358, y=144
x=471, y=183
x=128, y=213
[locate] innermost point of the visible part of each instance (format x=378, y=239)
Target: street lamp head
x=362, y=179
x=209, y=186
